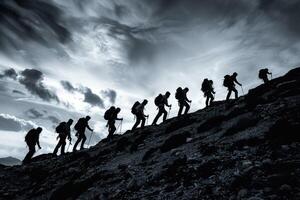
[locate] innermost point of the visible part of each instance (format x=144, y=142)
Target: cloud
x=18, y=92
x=68, y=86
x=54, y=119
x=12, y=123
x=40, y=21
x=110, y=94
x=9, y=73
x=92, y=98
x=33, y=114
x=32, y=80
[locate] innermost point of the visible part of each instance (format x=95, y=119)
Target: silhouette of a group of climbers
x=111, y=115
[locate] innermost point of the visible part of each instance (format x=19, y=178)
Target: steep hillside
x=244, y=149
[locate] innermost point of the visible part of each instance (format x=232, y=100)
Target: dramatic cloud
x=11, y=123
x=92, y=98
x=33, y=114
x=54, y=119
x=110, y=94
x=39, y=21
x=18, y=92
x=9, y=73
x=68, y=86
x=32, y=80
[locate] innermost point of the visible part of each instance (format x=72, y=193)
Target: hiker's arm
x=89, y=128
x=237, y=82
x=38, y=143
x=167, y=104
x=119, y=119
x=69, y=136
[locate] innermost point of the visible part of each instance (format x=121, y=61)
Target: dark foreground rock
x=244, y=149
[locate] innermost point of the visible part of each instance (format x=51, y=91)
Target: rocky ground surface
x=244, y=149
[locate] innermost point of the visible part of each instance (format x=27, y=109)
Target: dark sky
x=64, y=59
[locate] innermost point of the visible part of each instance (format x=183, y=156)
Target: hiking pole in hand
x=169, y=111
x=90, y=138
x=121, y=126
x=242, y=90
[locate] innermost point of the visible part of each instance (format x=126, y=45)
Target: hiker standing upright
x=32, y=139
x=181, y=96
x=80, y=127
x=229, y=82
x=138, y=111
x=208, y=90
x=160, y=101
x=263, y=74
x=64, y=131
x=112, y=115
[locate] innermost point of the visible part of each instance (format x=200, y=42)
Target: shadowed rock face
x=245, y=149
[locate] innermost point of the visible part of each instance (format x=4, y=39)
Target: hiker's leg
x=77, y=142
x=211, y=98
x=29, y=154
x=207, y=100
x=83, y=141
x=265, y=79
x=180, y=109
x=57, y=147
x=235, y=93
x=138, y=120
x=157, y=117
x=228, y=94
x=165, y=113
x=143, y=122
x=187, y=107
x=63, y=145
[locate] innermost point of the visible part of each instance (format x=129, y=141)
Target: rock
x=242, y=193
x=285, y=188
x=173, y=142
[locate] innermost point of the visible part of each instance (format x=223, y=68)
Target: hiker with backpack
x=263, y=74
x=80, y=127
x=64, y=132
x=229, y=82
x=208, y=90
x=32, y=139
x=181, y=96
x=138, y=110
x=111, y=115
x=160, y=101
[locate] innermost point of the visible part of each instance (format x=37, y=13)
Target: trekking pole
x=242, y=90
x=169, y=111
x=90, y=138
x=121, y=127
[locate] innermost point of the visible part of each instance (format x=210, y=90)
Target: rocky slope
x=244, y=149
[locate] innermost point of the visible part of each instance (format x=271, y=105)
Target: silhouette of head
x=211, y=81
x=87, y=118
x=168, y=94
x=145, y=102
x=205, y=79
x=70, y=121
x=266, y=69
x=235, y=74
x=112, y=108
x=118, y=110
x=39, y=129
x=186, y=89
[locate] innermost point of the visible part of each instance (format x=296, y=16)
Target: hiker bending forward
x=138, y=111
x=32, y=139
x=64, y=131
x=80, y=127
x=160, y=102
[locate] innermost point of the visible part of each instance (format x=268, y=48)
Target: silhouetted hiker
x=138, y=110
x=32, y=139
x=80, y=127
x=183, y=101
x=112, y=115
x=263, y=74
x=160, y=101
x=64, y=131
x=229, y=82
x=208, y=90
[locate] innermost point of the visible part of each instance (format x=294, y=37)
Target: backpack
x=179, y=93
x=158, y=100
x=29, y=136
x=227, y=81
x=261, y=73
x=205, y=85
x=108, y=114
x=79, y=124
x=61, y=127
x=134, y=108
